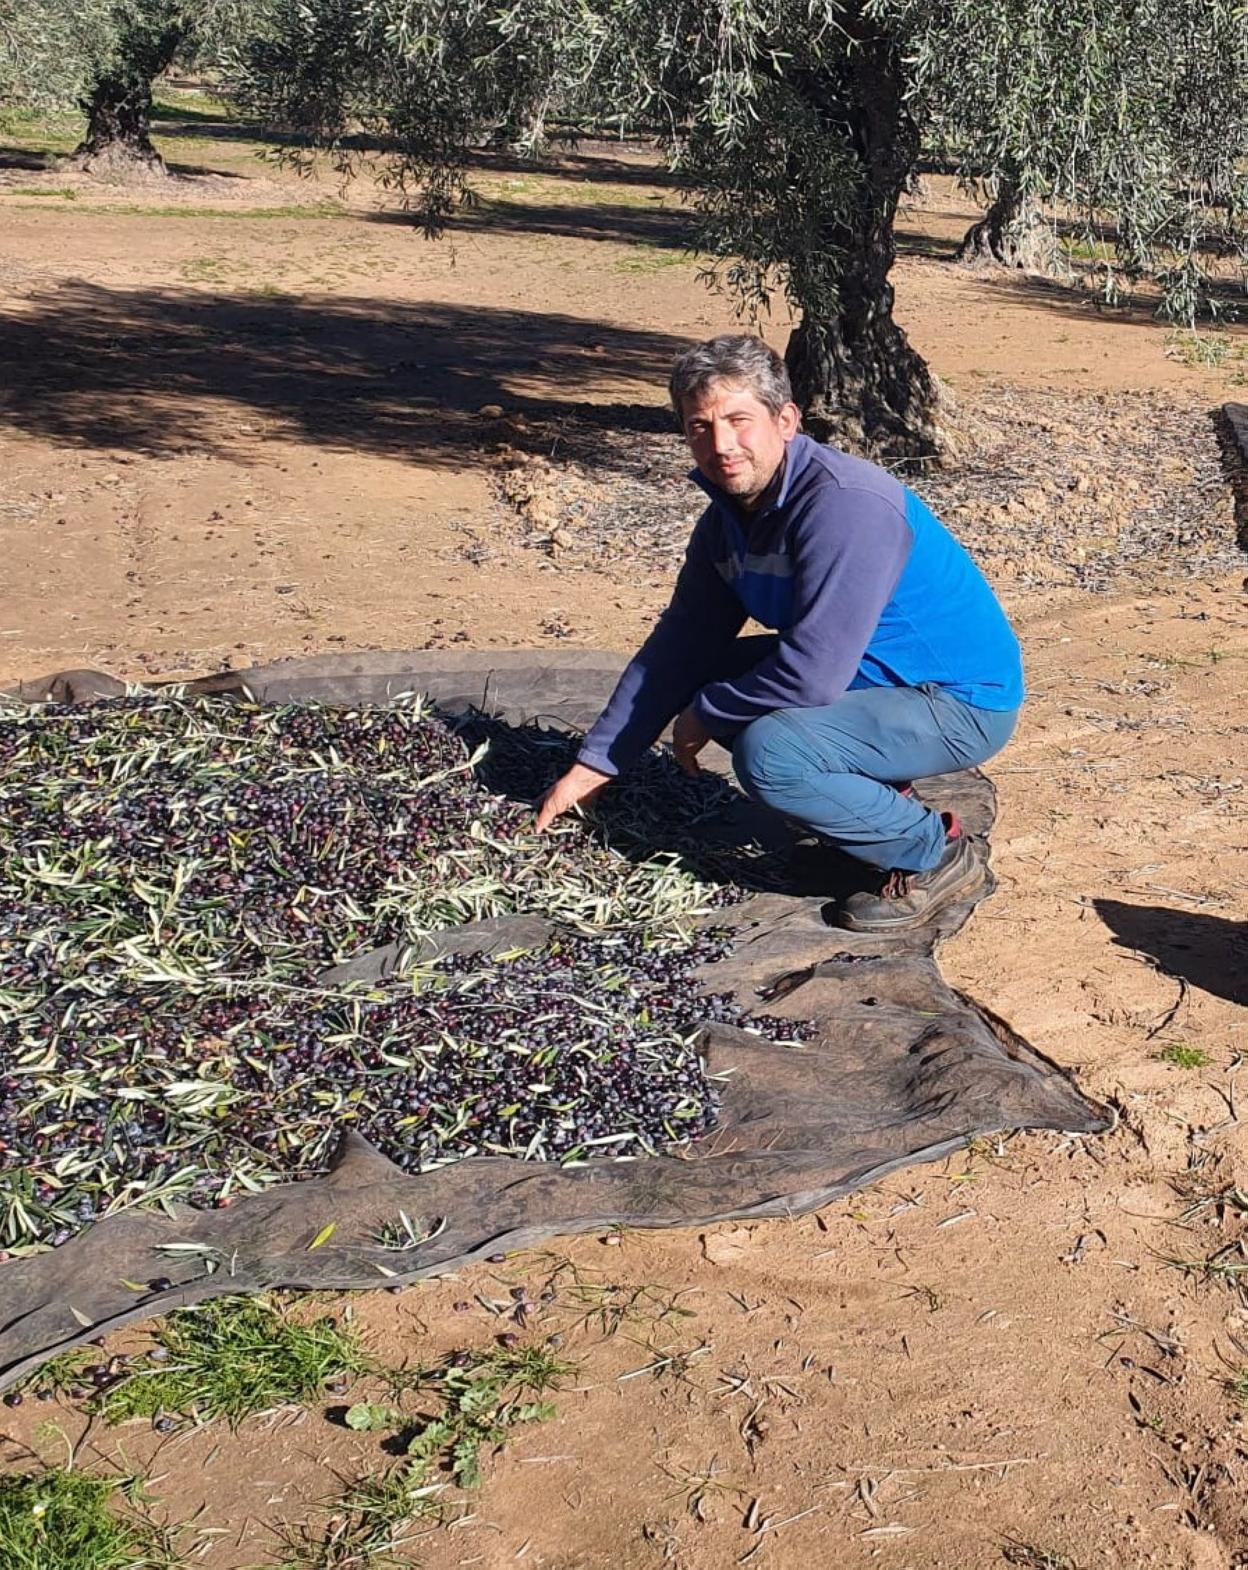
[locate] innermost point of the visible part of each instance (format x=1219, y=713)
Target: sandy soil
x=236, y=425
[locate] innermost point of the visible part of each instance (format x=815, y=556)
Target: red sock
x=953, y=825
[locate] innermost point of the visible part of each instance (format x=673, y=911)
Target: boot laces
x=897, y=884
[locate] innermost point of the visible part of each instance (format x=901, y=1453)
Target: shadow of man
x=1209, y=952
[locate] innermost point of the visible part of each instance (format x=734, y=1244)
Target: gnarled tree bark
x=119, y=114
x=859, y=381
x=1012, y=233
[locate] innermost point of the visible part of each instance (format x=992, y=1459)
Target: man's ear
x=790, y=418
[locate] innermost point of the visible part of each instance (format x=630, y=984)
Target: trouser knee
x=765, y=758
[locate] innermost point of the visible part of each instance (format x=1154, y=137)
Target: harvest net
x=294, y=925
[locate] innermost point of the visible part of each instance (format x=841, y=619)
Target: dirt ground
x=246, y=416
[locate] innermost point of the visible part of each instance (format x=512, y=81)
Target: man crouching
x=894, y=659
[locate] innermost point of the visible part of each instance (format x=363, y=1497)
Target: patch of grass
x=1183, y=1055
x=1224, y=1202
x=64, y=1521
x=607, y=1305
x=369, y=1524
x=313, y=210
x=232, y=1358
x=34, y=124
x=62, y=1373
x=1088, y=250
x=205, y=269
x=198, y=108
x=651, y=259
x=64, y=191
x=612, y=195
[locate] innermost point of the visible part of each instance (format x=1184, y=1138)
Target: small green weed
x=1183, y=1055
x=485, y=1395
x=1193, y=348
x=1237, y=1386
x=1227, y=1265
x=369, y=1524
x=66, y=192
x=64, y=1521
x=1029, y=1557
x=232, y=1358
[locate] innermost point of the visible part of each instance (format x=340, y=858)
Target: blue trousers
x=834, y=769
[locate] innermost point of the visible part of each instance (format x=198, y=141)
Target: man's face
x=736, y=441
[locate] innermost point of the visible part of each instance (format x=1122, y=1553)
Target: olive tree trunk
x=119, y=115
x=858, y=380
x=1012, y=233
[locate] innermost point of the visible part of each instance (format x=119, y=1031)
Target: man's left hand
x=689, y=736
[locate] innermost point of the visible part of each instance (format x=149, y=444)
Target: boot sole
x=973, y=883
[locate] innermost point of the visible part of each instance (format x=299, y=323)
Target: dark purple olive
x=14, y=1398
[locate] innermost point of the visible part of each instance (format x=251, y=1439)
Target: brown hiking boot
x=908, y=899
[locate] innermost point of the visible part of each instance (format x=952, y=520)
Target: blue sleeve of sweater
x=849, y=547
x=683, y=652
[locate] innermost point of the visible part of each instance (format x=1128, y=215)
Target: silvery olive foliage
x=48, y=49
x=799, y=125
x=1127, y=122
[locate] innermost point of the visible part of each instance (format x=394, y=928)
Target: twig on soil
x=933, y=1471
x=1172, y=1011
x=1202, y=1136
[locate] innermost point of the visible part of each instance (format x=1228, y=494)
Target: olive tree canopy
x=800, y=123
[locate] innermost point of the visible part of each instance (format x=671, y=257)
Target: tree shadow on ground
x=162, y=371
x=584, y=160
x=1210, y=952
x=23, y=159
x=580, y=159
x=932, y=247
x=1073, y=298
x=654, y=226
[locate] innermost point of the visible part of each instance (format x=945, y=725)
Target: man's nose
x=723, y=436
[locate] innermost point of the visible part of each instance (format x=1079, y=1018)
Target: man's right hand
x=579, y=784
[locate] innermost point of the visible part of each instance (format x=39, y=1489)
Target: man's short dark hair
x=732, y=357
